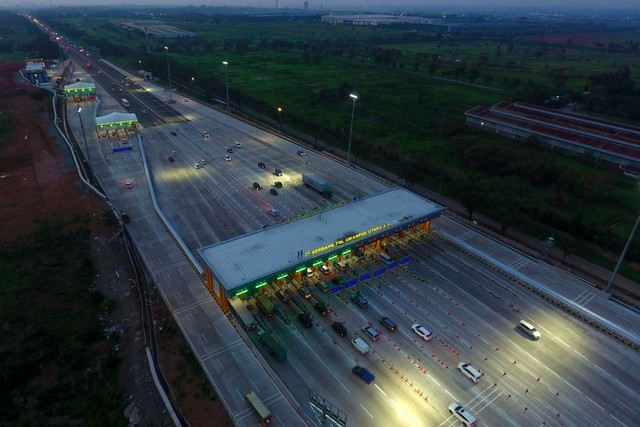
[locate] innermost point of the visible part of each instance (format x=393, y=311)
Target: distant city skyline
x=327, y=5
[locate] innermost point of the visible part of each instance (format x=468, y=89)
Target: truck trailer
x=265, y=305
x=317, y=184
x=276, y=349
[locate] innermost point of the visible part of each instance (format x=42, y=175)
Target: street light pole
x=353, y=111
x=86, y=147
x=166, y=49
x=624, y=252
x=193, y=86
x=280, y=118
x=226, y=81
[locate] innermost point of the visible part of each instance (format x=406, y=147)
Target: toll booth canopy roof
x=80, y=85
x=116, y=117
x=249, y=258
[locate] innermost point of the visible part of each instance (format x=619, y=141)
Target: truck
x=265, y=305
x=317, y=184
x=276, y=349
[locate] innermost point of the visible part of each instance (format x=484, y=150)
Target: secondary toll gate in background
x=246, y=263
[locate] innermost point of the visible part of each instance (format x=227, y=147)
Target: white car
x=469, y=371
x=128, y=183
x=203, y=161
x=197, y=165
x=461, y=413
x=227, y=158
x=237, y=144
x=422, y=331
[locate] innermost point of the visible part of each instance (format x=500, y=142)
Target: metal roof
x=247, y=259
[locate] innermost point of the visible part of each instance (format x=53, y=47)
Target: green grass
x=55, y=361
x=405, y=119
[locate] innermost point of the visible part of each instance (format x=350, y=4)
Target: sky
x=351, y=4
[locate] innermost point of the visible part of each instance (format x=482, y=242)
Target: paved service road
x=573, y=375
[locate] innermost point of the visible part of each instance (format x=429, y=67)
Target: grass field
x=413, y=89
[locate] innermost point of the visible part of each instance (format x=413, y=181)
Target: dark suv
x=339, y=328
x=261, y=165
x=257, y=186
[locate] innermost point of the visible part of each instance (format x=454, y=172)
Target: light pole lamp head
x=225, y=63
x=354, y=96
x=79, y=109
x=279, y=110
x=166, y=48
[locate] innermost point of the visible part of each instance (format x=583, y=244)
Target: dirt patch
x=38, y=183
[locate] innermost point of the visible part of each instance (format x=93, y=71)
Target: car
x=227, y=158
x=206, y=134
x=174, y=133
x=278, y=184
x=170, y=158
x=128, y=183
x=125, y=141
x=388, y=323
x=309, y=272
x=363, y=374
x=371, y=332
x=529, y=329
x=422, y=331
x=229, y=150
x=321, y=308
x=197, y=165
x=462, y=414
x=257, y=186
x=339, y=328
x=273, y=192
x=237, y=144
x=283, y=294
x=203, y=161
x=277, y=172
x=323, y=286
x=173, y=153
x=261, y=165
x=359, y=344
x=301, y=153
x=469, y=371
x=359, y=299
x=305, y=319
x=324, y=269
x=304, y=291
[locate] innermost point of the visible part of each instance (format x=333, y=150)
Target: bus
x=125, y=102
x=258, y=407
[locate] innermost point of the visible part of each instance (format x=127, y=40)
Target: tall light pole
x=226, y=81
x=86, y=147
x=140, y=64
x=624, y=252
x=193, y=86
x=166, y=49
x=280, y=118
x=353, y=111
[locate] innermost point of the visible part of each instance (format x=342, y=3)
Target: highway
x=573, y=375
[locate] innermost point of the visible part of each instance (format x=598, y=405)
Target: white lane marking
x=447, y=391
x=568, y=346
x=591, y=422
x=365, y=410
x=376, y=386
x=601, y=369
x=618, y=420
x=626, y=387
x=203, y=337
x=591, y=400
x=548, y=369
x=434, y=380
x=569, y=384
x=630, y=410
x=581, y=355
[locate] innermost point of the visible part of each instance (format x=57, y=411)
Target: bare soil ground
x=38, y=182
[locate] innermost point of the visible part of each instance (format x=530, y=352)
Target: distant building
x=155, y=29
x=375, y=19
x=609, y=141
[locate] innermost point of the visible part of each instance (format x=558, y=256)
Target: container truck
x=276, y=349
x=317, y=184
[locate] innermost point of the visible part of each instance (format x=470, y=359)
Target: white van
x=273, y=212
x=359, y=344
x=386, y=259
x=529, y=329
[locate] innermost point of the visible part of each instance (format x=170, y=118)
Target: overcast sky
x=490, y=5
